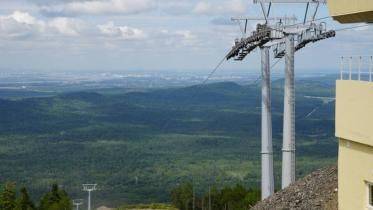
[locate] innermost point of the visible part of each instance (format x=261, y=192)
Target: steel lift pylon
x=307, y=34
x=287, y=39
x=261, y=38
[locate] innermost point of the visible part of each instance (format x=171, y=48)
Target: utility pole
x=288, y=148
x=77, y=203
x=267, y=151
x=89, y=188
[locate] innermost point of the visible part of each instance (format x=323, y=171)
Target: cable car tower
x=286, y=39
x=89, y=188
x=77, y=203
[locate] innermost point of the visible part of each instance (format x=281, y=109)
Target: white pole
x=370, y=68
x=350, y=68
x=267, y=151
x=359, y=65
x=89, y=200
x=342, y=68
x=77, y=203
x=89, y=188
x=288, y=148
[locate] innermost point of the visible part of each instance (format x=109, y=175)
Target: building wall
x=351, y=11
x=354, y=128
x=354, y=111
x=355, y=168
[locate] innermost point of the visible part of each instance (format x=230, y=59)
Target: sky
x=149, y=35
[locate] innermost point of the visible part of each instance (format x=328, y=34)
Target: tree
x=234, y=198
x=8, y=197
x=215, y=197
x=24, y=202
x=56, y=199
x=228, y=198
x=182, y=196
x=252, y=197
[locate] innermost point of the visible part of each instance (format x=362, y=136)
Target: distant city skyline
x=147, y=35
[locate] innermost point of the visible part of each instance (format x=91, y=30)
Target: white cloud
x=99, y=7
x=203, y=8
x=226, y=7
x=24, y=18
x=185, y=34
x=21, y=25
x=66, y=26
x=122, y=32
x=176, y=38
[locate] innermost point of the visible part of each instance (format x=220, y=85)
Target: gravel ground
x=318, y=190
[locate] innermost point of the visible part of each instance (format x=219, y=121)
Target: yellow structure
x=354, y=128
x=351, y=11
x=354, y=121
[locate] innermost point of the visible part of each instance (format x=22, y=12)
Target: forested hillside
x=137, y=146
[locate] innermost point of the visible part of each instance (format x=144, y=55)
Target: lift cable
x=272, y=66
x=352, y=27
x=213, y=71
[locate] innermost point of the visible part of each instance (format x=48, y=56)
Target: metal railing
x=358, y=68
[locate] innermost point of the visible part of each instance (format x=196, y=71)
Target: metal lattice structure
x=314, y=33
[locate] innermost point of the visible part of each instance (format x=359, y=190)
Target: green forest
x=55, y=199
x=139, y=146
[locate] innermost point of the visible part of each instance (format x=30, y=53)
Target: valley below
x=139, y=143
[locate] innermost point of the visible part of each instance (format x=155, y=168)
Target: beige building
x=354, y=128
x=354, y=120
x=351, y=11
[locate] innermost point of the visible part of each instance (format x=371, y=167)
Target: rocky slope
x=318, y=190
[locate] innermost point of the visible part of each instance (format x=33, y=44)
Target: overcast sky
x=121, y=35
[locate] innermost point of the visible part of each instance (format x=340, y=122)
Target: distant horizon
x=276, y=71
x=112, y=35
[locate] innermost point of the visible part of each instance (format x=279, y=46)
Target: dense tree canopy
x=139, y=145
x=228, y=198
x=8, y=197
x=24, y=202
x=55, y=199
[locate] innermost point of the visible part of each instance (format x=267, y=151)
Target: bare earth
x=318, y=190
